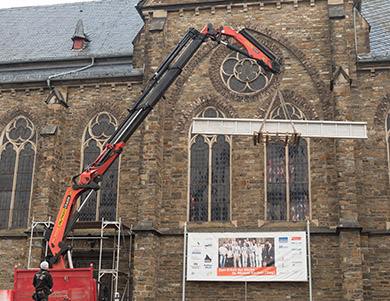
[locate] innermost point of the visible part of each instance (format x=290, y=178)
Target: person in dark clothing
x=43, y=282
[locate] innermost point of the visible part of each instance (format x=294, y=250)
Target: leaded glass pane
x=299, y=185
x=388, y=122
x=295, y=197
x=7, y=169
x=220, y=187
x=199, y=180
x=210, y=113
x=23, y=187
x=88, y=212
x=276, y=182
x=108, y=193
x=199, y=203
x=277, y=202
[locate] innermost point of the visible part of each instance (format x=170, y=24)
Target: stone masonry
x=349, y=179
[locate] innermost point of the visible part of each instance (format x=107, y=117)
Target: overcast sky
x=18, y=3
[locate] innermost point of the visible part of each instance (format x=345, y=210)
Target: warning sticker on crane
x=63, y=212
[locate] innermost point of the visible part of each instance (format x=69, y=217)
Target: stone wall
x=349, y=179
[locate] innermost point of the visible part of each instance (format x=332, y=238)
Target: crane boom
x=88, y=181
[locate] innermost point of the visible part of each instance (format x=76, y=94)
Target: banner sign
x=253, y=256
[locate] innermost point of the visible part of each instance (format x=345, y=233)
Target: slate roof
x=377, y=14
x=42, y=33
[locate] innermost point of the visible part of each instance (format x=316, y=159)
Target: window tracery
x=243, y=75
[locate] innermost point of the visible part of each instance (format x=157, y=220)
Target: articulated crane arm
x=88, y=181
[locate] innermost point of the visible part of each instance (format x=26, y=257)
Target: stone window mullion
x=11, y=208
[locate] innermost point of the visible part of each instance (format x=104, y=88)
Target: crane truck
x=88, y=181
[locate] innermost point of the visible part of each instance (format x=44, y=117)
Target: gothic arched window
x=210, y=174
x=388, y=138
x=17, y=156
x=104, y=203
x=287, y=175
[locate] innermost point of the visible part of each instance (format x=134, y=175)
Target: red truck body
x=69, y=284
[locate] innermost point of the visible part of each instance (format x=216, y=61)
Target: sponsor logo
x=296, y=249
x=297, y=263
x=196, y=251
x=207, y=258
x=296, y=242
x=296, y=238
x=208, y=245
x=209, y=273
x=208, y=266
x=195, y=266
x=283, y=247
x=283, y=240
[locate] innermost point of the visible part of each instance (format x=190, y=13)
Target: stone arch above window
x=209, y=190
x=292, y=111
x=198, y=106
x=104, y=203
x=87, y=115
x=17, y=158
x=292, y=99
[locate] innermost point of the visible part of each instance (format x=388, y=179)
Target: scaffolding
x=37, y=229
x=120, y=231
x=115, y=254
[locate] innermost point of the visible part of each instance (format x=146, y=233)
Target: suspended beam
x=307, y=128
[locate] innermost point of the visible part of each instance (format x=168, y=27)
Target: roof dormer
x=79, y=38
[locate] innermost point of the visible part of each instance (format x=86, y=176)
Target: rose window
x=243, y=75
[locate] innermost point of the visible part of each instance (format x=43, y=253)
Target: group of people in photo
x=246, y=252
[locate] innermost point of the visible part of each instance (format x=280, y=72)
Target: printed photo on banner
x=246, y=252
x=246, y=256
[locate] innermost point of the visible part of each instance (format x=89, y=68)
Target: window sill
x=211, y=225
x=13, y=233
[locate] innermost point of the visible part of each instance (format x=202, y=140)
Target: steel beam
x=307, y=128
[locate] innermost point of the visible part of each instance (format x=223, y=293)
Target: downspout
x=68, y=72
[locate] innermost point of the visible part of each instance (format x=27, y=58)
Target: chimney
x=79, y=38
